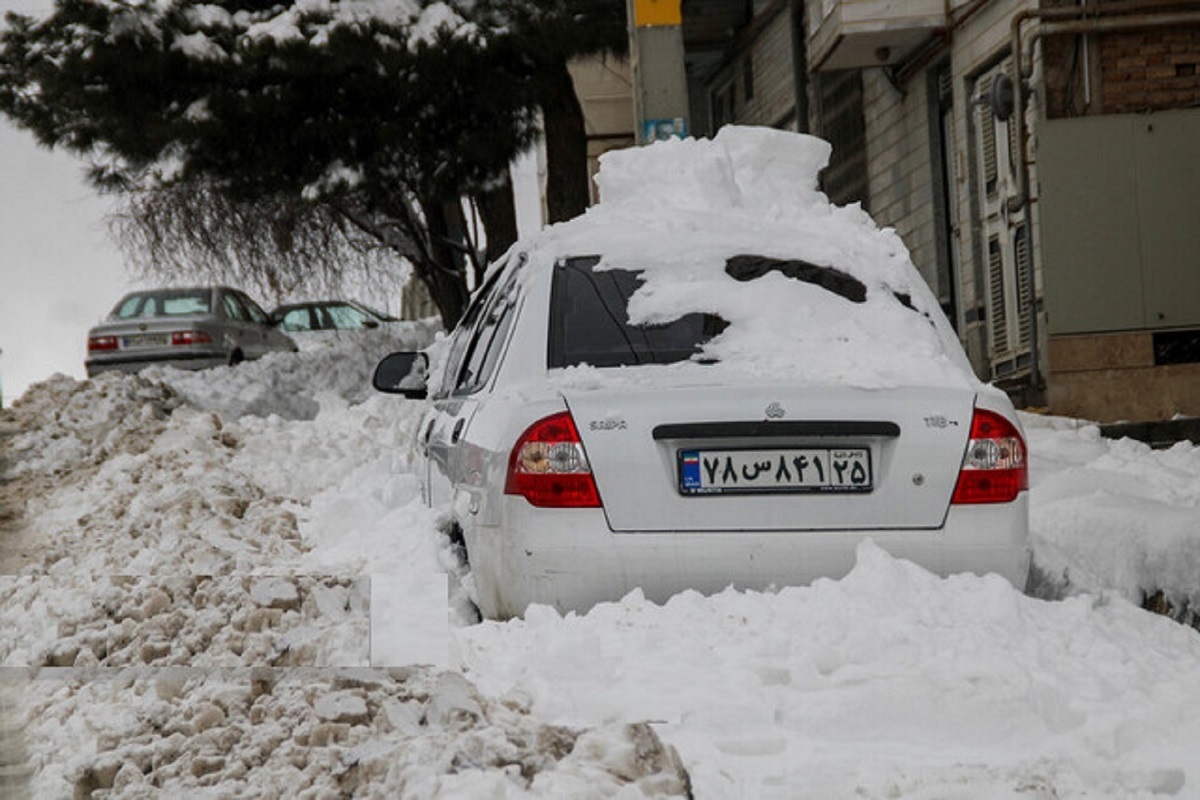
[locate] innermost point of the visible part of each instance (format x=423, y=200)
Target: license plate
x=145, y=340
x=801, y=470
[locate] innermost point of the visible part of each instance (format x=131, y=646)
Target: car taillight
x=549, y=468
x=190, y=337
x=100, y=343
x=994, y=469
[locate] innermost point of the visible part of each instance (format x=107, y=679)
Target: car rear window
x=166, y=303
x=589, y=323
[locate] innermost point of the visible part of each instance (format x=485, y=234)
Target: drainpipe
x=1110, y=18
x=799, y=64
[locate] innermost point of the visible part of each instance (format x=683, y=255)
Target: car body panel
x=913, y=473
x=570, y=560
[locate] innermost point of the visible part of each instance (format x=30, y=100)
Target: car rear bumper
x=120, y=363
x=569, y=559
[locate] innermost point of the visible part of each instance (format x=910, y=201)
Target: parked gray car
x=190, y=328
x=328, y=315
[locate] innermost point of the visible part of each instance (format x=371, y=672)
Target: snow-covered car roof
x=680, y=210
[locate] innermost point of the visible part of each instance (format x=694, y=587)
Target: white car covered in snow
x=714, y=377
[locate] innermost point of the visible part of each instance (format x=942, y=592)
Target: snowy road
x=206, y=553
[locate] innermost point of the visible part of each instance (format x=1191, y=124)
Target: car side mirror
x=370, y=323
x=405, y=374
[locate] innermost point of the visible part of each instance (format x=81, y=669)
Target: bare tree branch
x=279, y=246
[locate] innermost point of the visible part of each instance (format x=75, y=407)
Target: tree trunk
x=567, y=192
x=443, y=275
x=499, y=213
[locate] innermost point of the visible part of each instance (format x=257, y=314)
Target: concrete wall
x=604, y=85
x=1111, y=377
x=899, y=171
x=766, y=48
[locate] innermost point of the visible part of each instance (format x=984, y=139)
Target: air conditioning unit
x=854, y=34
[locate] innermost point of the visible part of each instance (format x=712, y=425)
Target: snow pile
x=195, y=614
x=889, y=683
x=178, y=563
x=194, y=621
x=404, y=733
x=291, y=386
x=1114, y=515
x=678, y=210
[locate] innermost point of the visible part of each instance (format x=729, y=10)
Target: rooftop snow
x=679, y=209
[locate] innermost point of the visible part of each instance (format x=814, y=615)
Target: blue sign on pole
x=657, y=130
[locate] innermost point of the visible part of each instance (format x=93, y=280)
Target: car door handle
x=458, y=428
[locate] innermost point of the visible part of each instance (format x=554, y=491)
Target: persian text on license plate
x=814, y=469
x=145, y=340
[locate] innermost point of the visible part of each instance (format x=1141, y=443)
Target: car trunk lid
x=773, y=457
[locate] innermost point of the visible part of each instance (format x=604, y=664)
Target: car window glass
x=463, y=335
x=233, y=309
x=589, y=323
x=484, y=351
x=346, y=317
x=170, y=302
x=749, y=268
x=296, y=320
x=381, y=315
x=253, y=309
x=130, y=307
x=184, y=304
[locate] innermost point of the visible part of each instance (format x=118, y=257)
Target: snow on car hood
x=679, y=209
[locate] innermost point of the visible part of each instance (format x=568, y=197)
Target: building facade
x=1040, y=159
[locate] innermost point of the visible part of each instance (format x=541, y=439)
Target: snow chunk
x=199, y=47
x=344, y=706
x=678, y=211
x=434, y=20
x=280, y=29
x=198, y=111
x=742, y=167
x=208, y=16
x=275, y=593
x=337, y=177
x=1113, y=515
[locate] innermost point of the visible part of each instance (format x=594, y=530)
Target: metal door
x=1007, y=262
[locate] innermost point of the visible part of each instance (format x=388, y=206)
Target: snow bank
x=1113, y=515
x=338, y=363
x=678, y=210
x=200, y=554
x=888, y=683
x=406, y=733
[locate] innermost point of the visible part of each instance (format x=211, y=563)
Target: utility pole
x=660, y=99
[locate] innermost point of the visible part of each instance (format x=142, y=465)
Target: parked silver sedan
x=713, y=378
x=583, y=456
x=187, y=328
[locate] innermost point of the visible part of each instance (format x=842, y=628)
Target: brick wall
x=1131, y=72
x=1151, y=71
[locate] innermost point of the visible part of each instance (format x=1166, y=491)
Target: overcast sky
x=58, y=271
